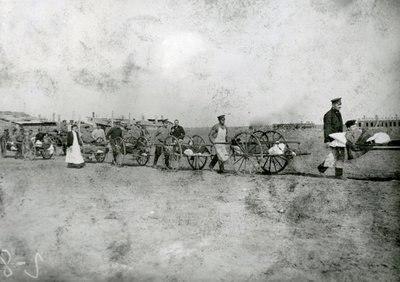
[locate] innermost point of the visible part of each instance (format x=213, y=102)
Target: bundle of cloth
x=355, y=139
x=45, y=144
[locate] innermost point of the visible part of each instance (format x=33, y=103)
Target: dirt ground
x=104, y=223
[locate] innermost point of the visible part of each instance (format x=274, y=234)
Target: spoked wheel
x=143, y=147
x=263, y=140
x=200, y=155
x=273, y=137
x=46, y=153
x=119, y=150
x=100, y=157
x=186, y=143
x=246, y=153
x=173, y=151
x=278, y=160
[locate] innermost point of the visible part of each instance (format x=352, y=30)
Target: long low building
x=389, y=122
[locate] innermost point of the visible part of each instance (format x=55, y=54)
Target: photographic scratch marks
x=129, y=68
x=103, y=82
x=2, y=211
x=226, y=98
x=6, y=69
x=108, y=81
x=46, y=83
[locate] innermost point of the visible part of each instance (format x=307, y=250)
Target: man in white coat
x=219, y=137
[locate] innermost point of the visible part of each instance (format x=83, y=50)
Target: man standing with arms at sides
x=177, y=130
x=19, y=139
x=63, y=134
x=333, y=123
x=113, y=134
x=159, y=136
x=219, y=134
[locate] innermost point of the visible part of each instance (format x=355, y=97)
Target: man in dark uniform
x=333, y=123
x=113, y=134
x=40, y=135
x=218, y=135
x=19, y=142
x=63, y=135
x=159, y=136
x=177, y=130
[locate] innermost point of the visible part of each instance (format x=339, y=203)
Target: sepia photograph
x=199, y=140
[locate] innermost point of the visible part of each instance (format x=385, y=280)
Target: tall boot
x=213, y=162
x=155, y=160
x=166, y=159
x=221, y=167
x=339, y=173
x=322, y=168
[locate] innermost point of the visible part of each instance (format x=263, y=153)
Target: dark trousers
x=157, y=154
x=214, y=161
x=116, y=149
x=18, y=155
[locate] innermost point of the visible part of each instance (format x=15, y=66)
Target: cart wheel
x=246, y=153
x=120, y=148
x=100, y=157
x=272, y=137
x=46, y=153
x=198, y=146
x=173, y=150
x=263, y=140
x=143, y=147
x=274, y=163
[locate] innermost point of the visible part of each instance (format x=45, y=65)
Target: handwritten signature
x=7, y=271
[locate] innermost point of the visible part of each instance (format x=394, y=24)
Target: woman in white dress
x=74, y=142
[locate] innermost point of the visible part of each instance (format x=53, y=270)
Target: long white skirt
x=74, y=155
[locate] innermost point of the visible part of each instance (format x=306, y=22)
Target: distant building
x=301, y=125
x=26, y=121
x=389, y=122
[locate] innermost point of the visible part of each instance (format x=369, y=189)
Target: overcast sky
x=267, y=61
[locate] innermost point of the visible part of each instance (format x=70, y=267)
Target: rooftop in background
x=16, y=116
x=379, y=121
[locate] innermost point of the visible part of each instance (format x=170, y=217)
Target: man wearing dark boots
x=219, y=137
x=333, y=123
x=160, y=135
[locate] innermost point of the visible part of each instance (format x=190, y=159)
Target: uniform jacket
x=161, y=134
x=70, y=138
x=333, y=123
x=114, y=133
x=178, y=131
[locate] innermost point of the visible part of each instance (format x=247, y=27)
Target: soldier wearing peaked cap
x=159, y=136
x=114, y=134
x=333, y=123
x=218, y=136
